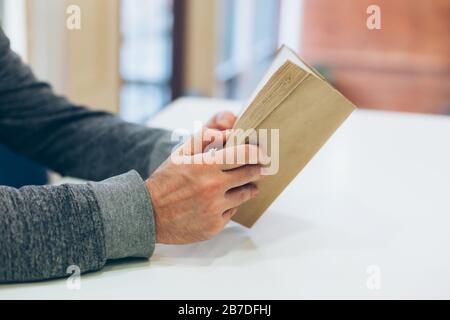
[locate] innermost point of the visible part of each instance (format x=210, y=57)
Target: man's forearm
x=67, y=138
x=44, y=230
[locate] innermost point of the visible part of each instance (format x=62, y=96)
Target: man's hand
x=194, y=202
x=222, y=121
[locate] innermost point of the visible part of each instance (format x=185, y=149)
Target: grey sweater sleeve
x=67, y=138
x=43, y=230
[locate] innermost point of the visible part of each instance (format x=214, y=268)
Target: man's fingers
x=238, y=156
x=203, y=139
x=207, y=148
x=237, y=196
x=225, y=120
x=227, y=215
x=222, y=121
x=243, y=175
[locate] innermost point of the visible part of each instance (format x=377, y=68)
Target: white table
x=375, y=199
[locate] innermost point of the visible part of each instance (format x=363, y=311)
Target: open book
x=294, y=101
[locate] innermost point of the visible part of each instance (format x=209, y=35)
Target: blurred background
x=133, y=57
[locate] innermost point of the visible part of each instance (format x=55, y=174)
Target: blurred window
x=13, y=23
x=1, y=12
x=248, y=38
x=146, y=57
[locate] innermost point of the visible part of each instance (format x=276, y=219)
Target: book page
x=283, y=55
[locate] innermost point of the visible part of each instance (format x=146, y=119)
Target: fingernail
x=224, y=123
x=224, y=120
